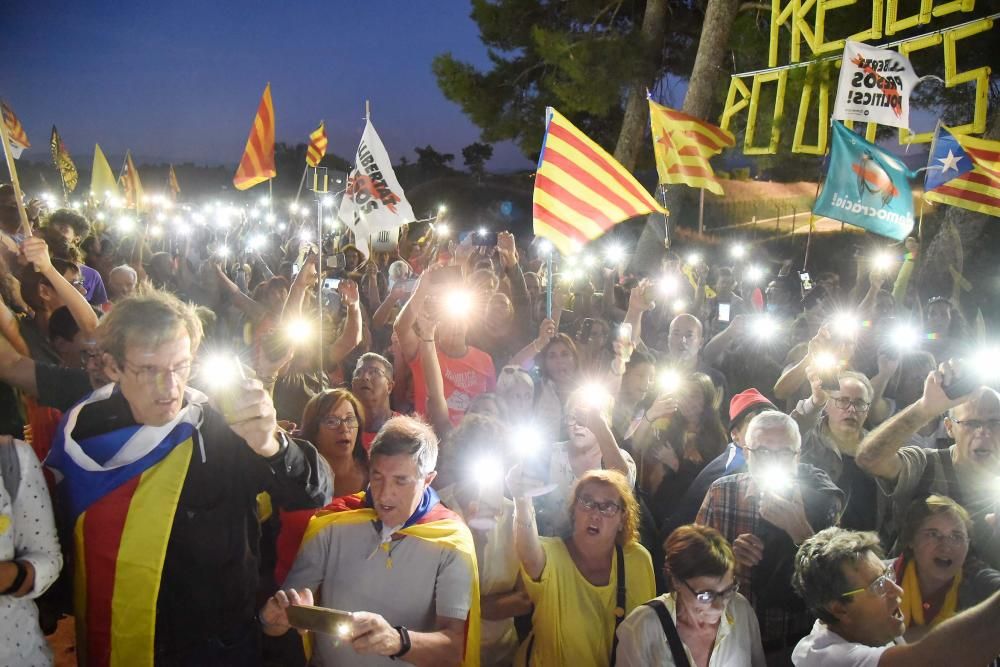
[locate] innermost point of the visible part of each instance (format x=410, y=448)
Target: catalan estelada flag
x=257, y=163
x=683, y=144
x=965, y=172
x=121, y=491
x=175, y=188
x=131, y=185
x=317, y=145
x=63, y=162
x=15, y=131
x=432, y=522
x=580, y=190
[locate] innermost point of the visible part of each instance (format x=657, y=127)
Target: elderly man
x=394, y=557
x=844, y=581
x=832, y=426
x=372, y=383
x=967, y=471
x=765, y=513
x=122, y=282
x=159, y=489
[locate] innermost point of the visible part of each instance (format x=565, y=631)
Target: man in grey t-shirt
x=397, y=559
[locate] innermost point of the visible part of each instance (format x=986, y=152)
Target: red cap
x=744, y=402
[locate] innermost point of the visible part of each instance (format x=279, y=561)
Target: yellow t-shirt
x=565, y=623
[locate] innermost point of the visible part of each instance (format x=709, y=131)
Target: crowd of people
x=253, y=444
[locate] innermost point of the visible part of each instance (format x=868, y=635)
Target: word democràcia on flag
x=874, y=86
x=373, y=201
x=866, y=186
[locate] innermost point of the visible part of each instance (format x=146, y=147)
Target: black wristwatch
x=404, y=642
x=282, y=439
x=22, y=574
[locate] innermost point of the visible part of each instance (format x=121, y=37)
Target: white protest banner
x=874, y=86
x=373, y=201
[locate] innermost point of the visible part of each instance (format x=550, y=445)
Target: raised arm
x=37, y=252
x=403, y=326
x=715, y=349
x=526, y=543
x=611, y=454
x=526, y=356
x=792, y=379
x=253, y=310
x=350, y=337
x=437, y=404
x=640, y=299
x=887, y=367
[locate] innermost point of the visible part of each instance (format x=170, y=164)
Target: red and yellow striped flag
x=131, y=185
x=978, y=189
x=63, y=161
x=15, y=131
x=257, y=164
x=683, y=144
x=317, y=145
x=580, y=190
x=175, y=188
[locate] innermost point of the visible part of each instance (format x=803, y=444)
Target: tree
x=431, y=160
x=476, y=155
x=577, y=56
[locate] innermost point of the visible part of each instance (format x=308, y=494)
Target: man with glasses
x=372, y=383
x=966, y=472
x=832, y=427
x=844, y=582
x=159, y=489
x=764, y=513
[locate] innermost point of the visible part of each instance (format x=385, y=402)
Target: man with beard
x=842, y=579
x=372, y=384
x=966, y=472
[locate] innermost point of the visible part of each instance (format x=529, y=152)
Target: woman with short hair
x=703, y=620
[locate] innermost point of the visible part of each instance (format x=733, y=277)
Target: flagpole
x=301, y=183
x=662, y=192
x=549, y=280
x=18, y=195
x=701, y=212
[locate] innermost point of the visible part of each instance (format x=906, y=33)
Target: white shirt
x=825, y=648
x=27, y=533
x=642, y=642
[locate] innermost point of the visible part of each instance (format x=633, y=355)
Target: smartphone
x=295, y=270
x=829, y=378
x=723, y=312
x=331, y=284
x=447, y=275
x=586, y=331
x=962, y=385
x=487, y=240
x=806, y=280
x=336, y=261
x=320, y=619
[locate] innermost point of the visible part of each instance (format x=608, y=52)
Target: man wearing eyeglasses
x=844, y=582
x=159, y=489
x=372, y=383
x=966, y=472
x=764, y=514
x=832, y=427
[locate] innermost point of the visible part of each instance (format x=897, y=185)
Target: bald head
x=685, y=338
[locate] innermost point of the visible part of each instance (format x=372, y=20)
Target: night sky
x=180, y=81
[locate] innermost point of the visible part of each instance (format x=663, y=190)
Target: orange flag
x=257, y=164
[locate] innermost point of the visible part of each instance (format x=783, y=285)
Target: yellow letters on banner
x=805, y=21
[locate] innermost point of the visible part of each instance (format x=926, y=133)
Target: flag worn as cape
x=121, y=490
x=435, y=524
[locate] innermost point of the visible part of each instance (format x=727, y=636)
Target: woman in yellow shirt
x=584, y=585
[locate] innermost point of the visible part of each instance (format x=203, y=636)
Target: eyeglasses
x=79, y=283
x=992, y=425
x=709, y=596
x=845, y=403
x=150, y=374
x=86, y=356
x=368, y=371
x=955, y=539
x=335, y=422
x=608, y=509
x=765, y=454
x=882, y=585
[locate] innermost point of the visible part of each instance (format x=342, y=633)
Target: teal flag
x=866, y=186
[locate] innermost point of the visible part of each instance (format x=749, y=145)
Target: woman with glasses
x=333, y=421
x=703, y=620
x=938, y=576
x=582, y=585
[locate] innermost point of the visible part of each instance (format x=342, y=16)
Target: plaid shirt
x=732, y=506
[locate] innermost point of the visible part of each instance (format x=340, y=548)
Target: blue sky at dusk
x=180, y=81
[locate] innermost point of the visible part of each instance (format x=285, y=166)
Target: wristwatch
x=282, y=439
x=404, y=642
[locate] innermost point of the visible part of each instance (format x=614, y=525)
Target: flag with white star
x=947, y=160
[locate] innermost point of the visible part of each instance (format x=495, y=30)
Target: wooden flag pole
x=18, y=195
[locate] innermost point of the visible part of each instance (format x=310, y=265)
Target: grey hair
x=819, y=566
x=124, y=268
x=772, y=420
x=377, y=358
x=409, y=436
x=861, y=379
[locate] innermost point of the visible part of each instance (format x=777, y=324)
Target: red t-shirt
x=464, y=379
x=367, y=437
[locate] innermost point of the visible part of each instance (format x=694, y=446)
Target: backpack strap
x=670, y=630
x=10, y=466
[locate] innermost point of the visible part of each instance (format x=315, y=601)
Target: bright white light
x=305, y=212
x=101, y=216
x=75, y=205
x=327, y=201
x=544, y=247
x=668, y=285
x=614, y=253
x=773, y=479
x=305, y=234
x=595, y=395
x=694, y=259
x=526, y=441
x=293, y=208
x=198, y=218
x=483, y=231
x=264, y=201
x=220, y=371
x=754, y=273
x=125, y=224
x=845, y=325
x=49, y=198
x=255, y=212
x=161, y=217
x=588, y=260
x=222, y=251
x=458, y=303
x=985, y=363
x=764, y=327
x=442, y=230
x=442, y=209
x=738, y=251
x=669, y=381
x=298, y=331
x=905, y=337
x=282, y=227
x=825, y=361
x=182, y=227
x=156, y=231
x=222, y=222
x=679, y=306
x=488, y=472
x=271, y=218
x=570, y=276
x=882, y=261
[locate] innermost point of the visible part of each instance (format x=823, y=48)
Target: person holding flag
x=396, y=558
